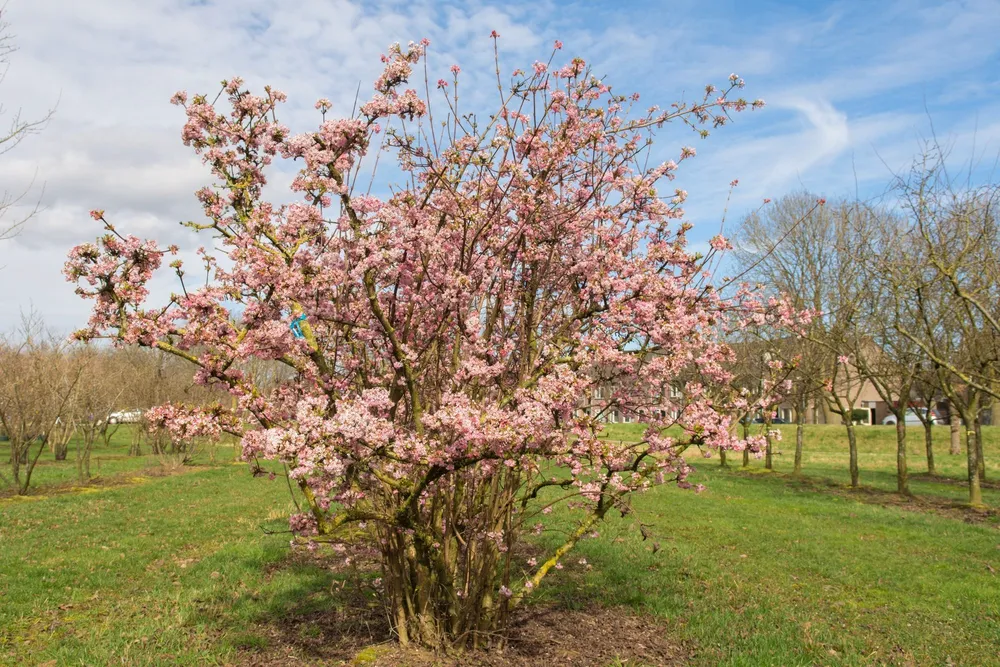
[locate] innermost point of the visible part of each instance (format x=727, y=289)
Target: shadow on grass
x=325, y=614
x=940, y=479
x=875, y=496
x=309, y=608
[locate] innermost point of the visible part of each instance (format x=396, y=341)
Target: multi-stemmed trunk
x=800, y=427
x=89, y=433
x=769, y=452
x=980, y=459
x=59, y=438
x=902, y=474
x=135, y=444
x=746, y=434
x=929, y=445
x=955, y=423
x=451, y=574
x=23, y=461
x=60, y=450
x=83, y=457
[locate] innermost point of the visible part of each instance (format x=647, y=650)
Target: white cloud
x=847, y=84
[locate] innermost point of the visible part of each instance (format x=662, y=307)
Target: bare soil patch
x=357, y=632
x=540, y=637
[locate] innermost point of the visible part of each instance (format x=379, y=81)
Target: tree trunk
x=956, y=430
x=800, y=419
x=980, y=459
x=722, y=458
x=971, y=452
x=769, y=451
x=746, y=434
x=83, y=451
x=902, y=480
x=929, y=445
x=852, y=444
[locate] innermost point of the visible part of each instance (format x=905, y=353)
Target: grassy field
x=760, y=569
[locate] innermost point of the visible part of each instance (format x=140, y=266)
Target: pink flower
x=719, y=243
x=455, y=69
x=842, y=359
x=494, y=34
x=97, y=214
x=558, y=44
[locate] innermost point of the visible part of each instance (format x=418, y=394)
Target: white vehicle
x=125, y=417
x=912, y=417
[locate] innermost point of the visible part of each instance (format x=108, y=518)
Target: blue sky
x=852, y=88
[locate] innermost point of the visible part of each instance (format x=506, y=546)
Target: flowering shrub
x=442, y=336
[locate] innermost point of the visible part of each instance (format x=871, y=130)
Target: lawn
x=760, y=569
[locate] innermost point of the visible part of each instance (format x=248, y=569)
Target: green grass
x=825, y=457
x=757, y=570
x=107, y=464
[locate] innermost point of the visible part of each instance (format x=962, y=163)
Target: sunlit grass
x=757, y=570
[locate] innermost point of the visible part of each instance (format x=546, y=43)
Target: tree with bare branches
x=801, y=247
x=18, y=129
x=950, y=307
x=37, y=388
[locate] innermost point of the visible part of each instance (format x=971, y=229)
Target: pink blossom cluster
x=185, y=423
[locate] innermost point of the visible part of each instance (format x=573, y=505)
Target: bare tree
x=38, y=385
x=952, y=309
x=808, y=361
x=17, y=131
x=801, y=247
x=889, y=361
x=100, y=393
